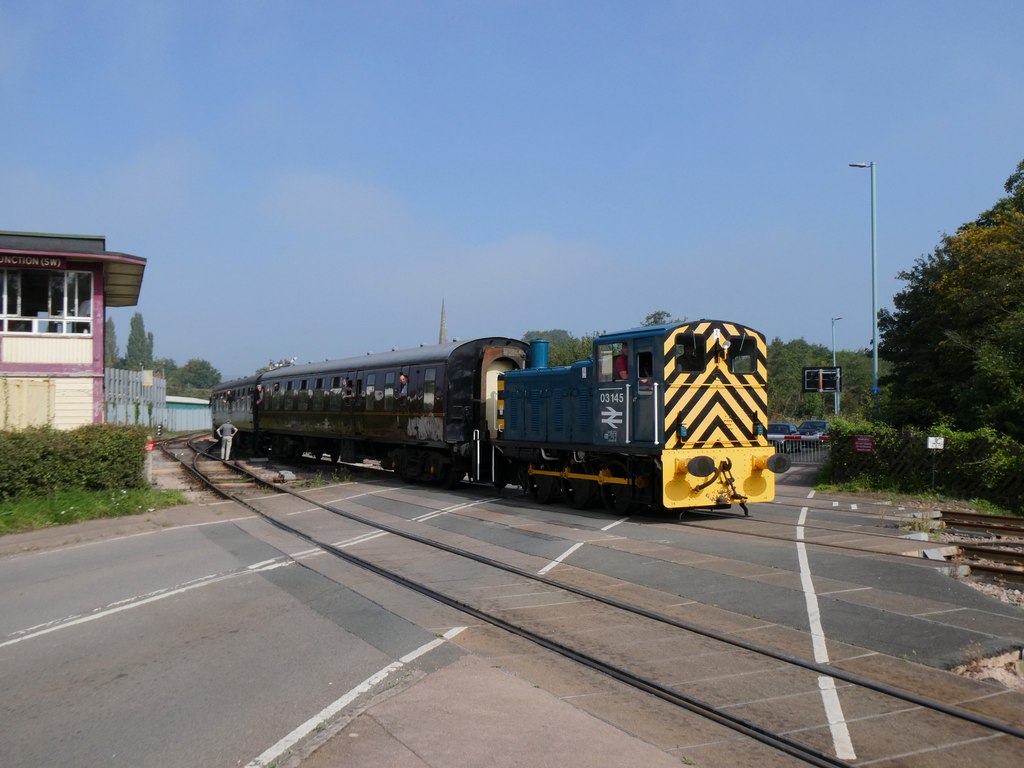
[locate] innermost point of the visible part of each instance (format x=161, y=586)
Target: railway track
x=991, y=546
x=999, y=559
x=582, y=639
x=992, y=525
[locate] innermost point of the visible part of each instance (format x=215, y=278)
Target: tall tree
x=956, y=335
x=110, y=354
x=138, y=355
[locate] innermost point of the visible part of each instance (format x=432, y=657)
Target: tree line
x=951, y=351
x=193, y=379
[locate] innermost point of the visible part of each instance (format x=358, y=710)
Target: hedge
x=41, y=460
x=983, y=464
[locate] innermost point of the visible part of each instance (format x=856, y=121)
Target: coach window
x=429, y=384
x=371, y=390
x=389, y=391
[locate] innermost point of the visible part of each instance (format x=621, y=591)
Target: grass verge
x=74, y=506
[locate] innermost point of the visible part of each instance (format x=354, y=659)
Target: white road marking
x=272, y=754
x=465, y=505
x=612, y=525
x=62, y=549
x=827, y=685
x=141, y=600
x=559, y=559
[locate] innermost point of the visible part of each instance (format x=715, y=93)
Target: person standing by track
x=226, y=432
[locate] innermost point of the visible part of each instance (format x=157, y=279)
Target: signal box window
x=31, y=298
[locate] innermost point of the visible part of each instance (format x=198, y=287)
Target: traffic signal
x=823, y=380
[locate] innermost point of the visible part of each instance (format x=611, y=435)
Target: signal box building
x=54, y=291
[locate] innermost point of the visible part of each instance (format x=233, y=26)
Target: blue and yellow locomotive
x=670, y=416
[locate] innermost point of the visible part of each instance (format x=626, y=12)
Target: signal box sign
x=823, y=379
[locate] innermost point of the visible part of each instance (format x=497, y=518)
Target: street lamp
x=835, y=394
x=874, y=289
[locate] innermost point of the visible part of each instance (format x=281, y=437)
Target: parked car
x=784, y=436
x=814, y=428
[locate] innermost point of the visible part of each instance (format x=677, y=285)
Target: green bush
x=983, y=464
x=94, y=457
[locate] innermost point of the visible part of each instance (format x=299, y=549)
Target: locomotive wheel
x=405, y=467
x=448, y=476
x=526, y=481
x=615, y=496
x=548, y=489
x=502, y=473
x=581, y=494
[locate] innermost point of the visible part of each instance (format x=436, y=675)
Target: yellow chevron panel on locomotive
x=716, y=450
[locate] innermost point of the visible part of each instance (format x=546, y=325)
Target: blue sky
x=311, y=179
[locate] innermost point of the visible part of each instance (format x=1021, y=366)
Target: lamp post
x=874, y=290
x=835, y=394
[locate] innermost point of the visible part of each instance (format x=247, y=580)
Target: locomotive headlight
x=776, y=463
x=701, y=466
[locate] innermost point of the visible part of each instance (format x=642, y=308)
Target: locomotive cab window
x=645, y=368
x=742, y=357
x=613, y=362
x=689, y=353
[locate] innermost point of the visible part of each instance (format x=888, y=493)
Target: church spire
x=442, y=337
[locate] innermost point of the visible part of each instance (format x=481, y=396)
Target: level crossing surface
x=202, y=636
